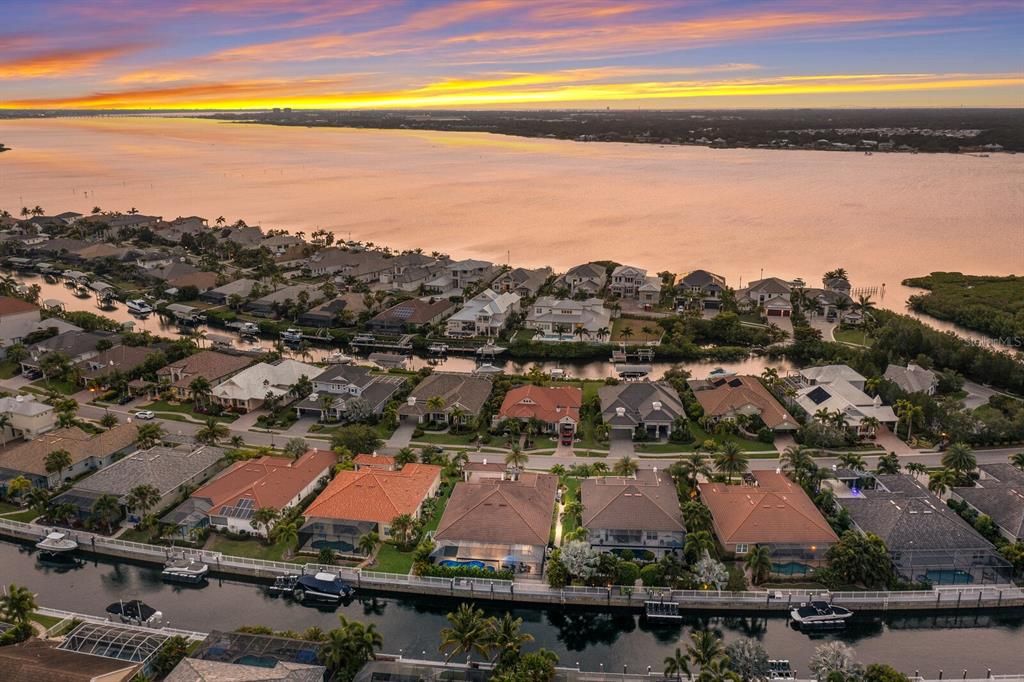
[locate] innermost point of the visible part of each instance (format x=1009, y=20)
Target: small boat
x=720, y=373
x=248, y=329
x=137, y=306
x=291, y=335
x=487, y=369
x=322, y=587
x=57, y=543
x=438, y=349
x=189, y=571
x=338, y=358
x=82, y=291
x=780, y=670
x=820, y=615
x=49, y=279
x=363, y=338
x=134, y=612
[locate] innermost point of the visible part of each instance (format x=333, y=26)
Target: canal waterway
x=595, y=638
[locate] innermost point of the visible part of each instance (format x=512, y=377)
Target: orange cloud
x=60, y=63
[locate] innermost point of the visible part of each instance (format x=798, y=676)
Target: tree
x=56, y=462
x=368, y=542
x=759, y=563
x=853, y=461
x=142, y=498
x=18, y=604
x=356, y=438
x=798, y=461
x=697, y=544
x=347, y=648
x=468, y=631
x=579, y=558
x=627, y=466
x=888, y=464
x=107, y=511
x=1017, y=460
x=18, y=486
x=748, y=658
x=880, y=672
x=295, y=448
x=677, y=665
x=109, y=420
x=697, y=516
x=199, y=390
x=169, y=655
x=517, y=459
x=402, y=527
x=730, y=460
x=959, y=458
x=710, y=572
x=212, y=431
x=405, y=456
x=149, y=435
x=832, y=657
x=507, y=638
x=718, y=671
x=5, y=422
x=939, y=482
x=704, y=648
x=264, y=517
x=287, y=533
x=536, y=666
x=861, y=559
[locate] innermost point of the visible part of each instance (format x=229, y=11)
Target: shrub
x=437, y=571
x=765, y=435
x=627, y=573
x=653, y=575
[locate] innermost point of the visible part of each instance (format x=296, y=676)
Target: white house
x=557, y=319
x=483, y=315
x=27, y=417
x=248, y=389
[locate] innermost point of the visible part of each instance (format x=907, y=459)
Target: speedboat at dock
x=291, y=335
x=137, y=306
x=338, y=358
x=134, y=612
x=189, y=571
x=57, y=543
x=820, y=615
x=318, y=588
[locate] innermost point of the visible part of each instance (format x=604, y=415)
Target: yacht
x=189, y=571
x=321, y=587
x=134, y=612
x=291, y=335
x=820, y=614
x=57, y=543
x=137, y=306
x=438, y=349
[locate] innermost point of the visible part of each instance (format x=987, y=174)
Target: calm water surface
x=543, y=202
x=925, y=643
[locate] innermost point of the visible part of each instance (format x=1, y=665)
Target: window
x=741, y=548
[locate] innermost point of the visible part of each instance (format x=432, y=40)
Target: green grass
x=637, y=326
x=46, y=621
x=699, y=436
x=133, y=535
x=572, y=492
x=6, y=508
x=26, y=516
x=65, y=387
x=184, y=409
x=854, y=336
x=447, y=438
x=253, y=548
x=9, y=369
x=392, y=560
x=442, y=502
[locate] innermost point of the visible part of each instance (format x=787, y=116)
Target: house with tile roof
x=77, y=346
x=37, y=660
x=374, y=461
x=999, y=493
x=96, y=370
x=728, y=397
x=172, y=471
x=247, y=390
x=196, y=670
x=88, y=452
x=774, y=512
x=927, y=540
x=843, y=397
x=770, y=295
x=240, y=287
x=500, y=523
x=208, y=364
x=462, y=392
x=522, y=281
x=229, y=501
x=556, y=407
x=357, y=502
x=640, y=513
x=17, y=318
x=557, y=319
x=650, y=406
x=349, y=392
x=408, y=316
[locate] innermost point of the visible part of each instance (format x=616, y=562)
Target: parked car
x=145, y=414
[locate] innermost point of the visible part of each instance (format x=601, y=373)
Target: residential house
x=650, y=407
x=174, y=230
x=246, y=236
x=207, y=364
x=475, y=472
x=247, y=390
x=626, y=280
x=222, y=294
x=38, y=660
x=346, y=392
x=557, y=319
x=178, y=274
x=462, y=397
x=326, y=314
x=171, y=471
x=828, y=392
x=501, y=523
x=521, y=281
x=280, y=243
x=839, y=285
x=18, y=318
x=729, y=397
x=251, y=658
x=770, y=296
x=827, y=374
x=483, y=315
x=999, y=494
x=271, y=304
x=774, y=512
x=470, y=272
x=556, y=407
x=374, y=461
x=76, y=346
x=27, y=417
x=120, y=358
x=409, y=316
x=88, y=453
x=416, y=277
x=229, y=501
x=927, y=540
x=195, y=670
x=357, y=502
x=701, y=287
x=639, y=513
x=913, y=378
x=588, y=279
x=334, y=261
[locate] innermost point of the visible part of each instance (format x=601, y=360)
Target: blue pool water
x=449, y=563
x=948, y=577
x=791, y=568
x=336, y=545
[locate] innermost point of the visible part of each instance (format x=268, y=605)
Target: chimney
x=411, y=402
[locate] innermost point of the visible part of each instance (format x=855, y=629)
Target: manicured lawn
x=572, y=492
x=637, y=326
x=391, y=560
x=253, y=548
x=446, y=438
x=435, y=520
x=6, y=508
x=699, y=436
x=133, y=535
x=26, y=516
x=184, y=409
x=525, y=335
x=854, y=336
x=65, y=387
x=46, y=621
x=9, y=369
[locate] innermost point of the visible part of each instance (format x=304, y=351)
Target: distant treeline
x=991, y=305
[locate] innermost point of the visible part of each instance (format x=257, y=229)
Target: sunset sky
x=216, y=54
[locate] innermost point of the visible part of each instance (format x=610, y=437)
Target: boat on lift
x=134, y=612
x=780, y=669
x=137, y=306
x=318, y=588
x=249, y=329
x=190, y=571
x=291, y=335
x=821, y=615
x=720, y=373
x=57, y=543
x=338, y=358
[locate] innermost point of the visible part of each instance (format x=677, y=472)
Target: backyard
x=253, y=548
x=636, y=334
x=857, y=337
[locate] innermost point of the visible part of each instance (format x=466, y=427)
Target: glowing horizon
x=391, y=54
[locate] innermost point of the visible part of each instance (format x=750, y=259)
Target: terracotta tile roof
x=647, y=501
x=375, y=495
x=506, y=512
x=375, y=460
x=267, y=481
x=734, y=393
x=13, y=306
x=775, y=511
x=30, y=457
x=549, y=404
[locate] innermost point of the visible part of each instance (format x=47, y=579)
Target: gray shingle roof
x=1000, y=494
x=647, y=501
x=638, y=400
x=161, y=467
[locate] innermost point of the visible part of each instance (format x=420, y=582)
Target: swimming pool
x=336, y=545
x=451, y=563
x=948, y=577
x=791, y=568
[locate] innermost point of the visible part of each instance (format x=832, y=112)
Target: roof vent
x=411, y=401
x=620, y=411
x=656, y=404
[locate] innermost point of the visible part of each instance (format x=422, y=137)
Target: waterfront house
x=770, y=296
x=470, y=272
x=88, y=453
x=326, y=314
x=171, y=471
x=18, y=318
x=21, y=326
x=839, y=395
x=357, y=502
x=409, y=316
x=230, y=500
x=247, y=390
x=459, y=393
x=120, y=358
x=345, y=392
x=729, y=397
x=270, y=305
x=557, y=319
x=499, y=523
x=774, y=512
x=178, y=274
x=221, y=295
x=557, y=408
x=998, y=493
x=827, y=374
x=627, y=281
x=522, y=281
x=587, y=279
x=483, y=315
x=342, y=262
x=77, y=346
x=26, y=417
x=38, y=660
x=266, y=670
x=246, y=657
x=649, y=407
x=702, y=288
x=913, y=378
x=207, y=364
x=927, y=540
x=639, y=513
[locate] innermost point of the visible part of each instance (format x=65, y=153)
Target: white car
x=144, y=414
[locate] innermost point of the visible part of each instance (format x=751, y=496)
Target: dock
x=362, y=342
x=662, y=610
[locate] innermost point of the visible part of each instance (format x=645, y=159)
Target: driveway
x=783, y=441
x=977, y=395
x=888, y=440
x=400, y=438
x=621, y=445
x=300, y=427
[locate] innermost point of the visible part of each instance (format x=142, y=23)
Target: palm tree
x=468, y=631
x=199, y=390
x=405, y=456
x=435, y=404
x=853, y=461
x=626, y=332
x=960, y=458
x=517, y=459
x=691, y=468
x=797, y=460
x=18, y=604
x=18, y=487
x=507, y=637
x=888, y=464
x=759, y=563
x=730, y=460
x=368, y=542
x=106, y=510
x=149, y=435
x=697, y=543
x=939, y=482
x=1017, y=460
x=142, y=498
x=678, y=664
x=212, y=431
x=706, y=647
x=264, y=517
x=916, y=468
x=718, y=671
x=627, y=466
x=5, y=421
x=402, y=527
x=871, y=423
x=572, y=510
x=57, y=461
x=287, y=533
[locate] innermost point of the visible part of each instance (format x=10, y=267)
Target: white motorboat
x=338, y=358
x=820, y=614
x=248, y=329
x=438, y=348
x=190, y=571
x=57, y=543
x=719, y=373
x=137, y=306
x=291, y=335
